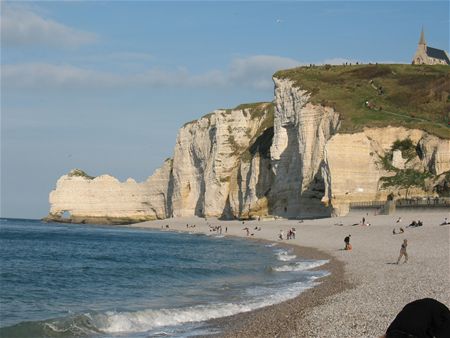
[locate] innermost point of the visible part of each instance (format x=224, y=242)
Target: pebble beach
x=366, y=288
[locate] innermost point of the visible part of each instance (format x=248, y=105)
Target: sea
x=67, y=280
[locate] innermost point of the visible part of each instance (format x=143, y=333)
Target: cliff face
x=354, y=169
x=285, y=158
x=208, y=153
x=79, y=198
x=301, y=131
x=221, y=167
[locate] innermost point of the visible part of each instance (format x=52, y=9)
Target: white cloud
x=254, y=71
x=43, y=75
x=251, y=72
x=23, y=27
x=115, y=57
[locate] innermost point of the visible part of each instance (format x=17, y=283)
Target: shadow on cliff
x=286, y=198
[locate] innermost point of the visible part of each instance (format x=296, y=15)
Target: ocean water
x=64, y=280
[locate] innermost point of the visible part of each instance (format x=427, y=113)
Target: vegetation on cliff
x=408, y=177
x=80, y=173
x=380, y=95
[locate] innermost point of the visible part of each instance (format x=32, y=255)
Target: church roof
x=437, y=54
x=422, y=38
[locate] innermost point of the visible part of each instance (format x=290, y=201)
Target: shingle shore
x=365, y=290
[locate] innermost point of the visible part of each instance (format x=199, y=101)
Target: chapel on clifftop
x=428, y=55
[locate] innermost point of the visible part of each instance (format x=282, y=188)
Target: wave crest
x=300, y=266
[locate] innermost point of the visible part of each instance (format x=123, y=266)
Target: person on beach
x=347, y=243
x=280, y=236
x=403, y=251
x=421, y=318
x=399, y=220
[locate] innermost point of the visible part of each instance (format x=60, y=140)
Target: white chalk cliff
x=285, y=158
x=208, y=152
x=104, y=199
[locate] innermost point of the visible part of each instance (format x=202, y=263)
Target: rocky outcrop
x=80, y=198
x=435, y=153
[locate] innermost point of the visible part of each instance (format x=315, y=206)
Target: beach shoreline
x=282, y=319
x=365, y=289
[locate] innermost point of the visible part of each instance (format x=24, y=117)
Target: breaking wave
x=300, y=266
x=284, y=256
x=117, y=322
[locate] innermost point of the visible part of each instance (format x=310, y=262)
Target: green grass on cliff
x=80, y=173
x=399, y=95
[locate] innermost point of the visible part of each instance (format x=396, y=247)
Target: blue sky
x=104, y=86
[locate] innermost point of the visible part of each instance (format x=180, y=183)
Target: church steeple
x=422, y=38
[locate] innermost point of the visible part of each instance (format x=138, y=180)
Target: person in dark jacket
x=347, y=243
x=422, y=318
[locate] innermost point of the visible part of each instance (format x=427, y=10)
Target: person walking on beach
x=403, y=251
x=347, y=243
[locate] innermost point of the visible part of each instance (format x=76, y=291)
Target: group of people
x=290, y=234
x=217, y=228
x=419, y=223
x=248, y=230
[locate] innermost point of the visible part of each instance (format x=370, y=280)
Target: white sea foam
x=285, y=256
x=300, y=266
x=142, y=321
x=55, y=328
x=271, y=245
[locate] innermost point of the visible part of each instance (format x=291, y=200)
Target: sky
x=104, y=86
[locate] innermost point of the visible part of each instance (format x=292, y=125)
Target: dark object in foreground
x=422, y=318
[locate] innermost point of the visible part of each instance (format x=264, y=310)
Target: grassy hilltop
x=379, y=95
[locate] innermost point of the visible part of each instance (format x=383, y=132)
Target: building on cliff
x=428, y=55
